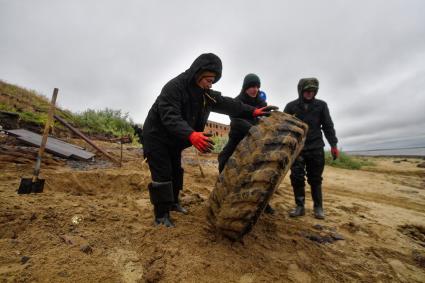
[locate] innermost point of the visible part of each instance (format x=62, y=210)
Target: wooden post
x=199, y=162
x=45, y=135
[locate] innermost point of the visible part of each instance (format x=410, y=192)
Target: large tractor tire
x=253, y=173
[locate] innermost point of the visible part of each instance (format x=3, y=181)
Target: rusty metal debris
x=54, y=146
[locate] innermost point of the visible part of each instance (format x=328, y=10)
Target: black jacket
x=316, y=115
x=239, y=127
x=182, y=107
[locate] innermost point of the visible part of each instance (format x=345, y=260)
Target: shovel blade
x=28, y=186
x=38, y=186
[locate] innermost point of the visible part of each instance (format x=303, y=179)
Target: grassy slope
x=32, y=108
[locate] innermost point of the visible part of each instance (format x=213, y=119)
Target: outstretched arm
x=234, y=108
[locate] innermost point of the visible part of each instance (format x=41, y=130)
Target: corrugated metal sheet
x=54, y=146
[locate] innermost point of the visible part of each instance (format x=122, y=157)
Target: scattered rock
x=318, y=227
x=76, y=219
x=63, y=274
x=87, y=249
x=68, y=239
x=24, y=259
x=320, y=239
x=33, y=217
x=114, y=218
x=419, y=257
x=337, y=237
x=14, y=235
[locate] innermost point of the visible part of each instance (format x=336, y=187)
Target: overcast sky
x=369, y=56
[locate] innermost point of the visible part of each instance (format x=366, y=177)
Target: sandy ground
x=94, y=224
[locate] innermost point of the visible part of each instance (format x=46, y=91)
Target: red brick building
x=217, y=129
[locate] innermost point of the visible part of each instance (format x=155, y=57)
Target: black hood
x=307, y=83
x=205, y=62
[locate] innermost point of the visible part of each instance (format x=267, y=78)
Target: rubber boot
x=161, y=196
x=162, y=216
x=299, y=210
x=177, y=187
x=316, y=194
x=178, y=208
x=269, y=210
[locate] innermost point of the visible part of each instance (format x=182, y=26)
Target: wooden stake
x=199, y=162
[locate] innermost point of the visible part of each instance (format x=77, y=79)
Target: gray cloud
x=368, y=56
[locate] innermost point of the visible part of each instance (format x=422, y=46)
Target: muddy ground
x=94, y=223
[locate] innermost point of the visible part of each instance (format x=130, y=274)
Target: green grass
x=107, y=121
x=220, y=142
x=346, y=161
x=33, y=107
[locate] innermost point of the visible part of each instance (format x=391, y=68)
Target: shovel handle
x=45, y=135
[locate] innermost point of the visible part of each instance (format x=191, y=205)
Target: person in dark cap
x=176, y=121
x=311, y=160
x=239, y=127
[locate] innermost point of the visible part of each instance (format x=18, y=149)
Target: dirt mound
x=96, y=225
x=97, y=181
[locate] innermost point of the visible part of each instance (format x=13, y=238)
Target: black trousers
x=165, y=166
x=310, y=163
x=227, y=151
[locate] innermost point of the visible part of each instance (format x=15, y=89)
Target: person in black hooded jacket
x=239, y=127
x=176, y=121
x=315, y=113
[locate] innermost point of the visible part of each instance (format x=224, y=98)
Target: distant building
x=217, y=129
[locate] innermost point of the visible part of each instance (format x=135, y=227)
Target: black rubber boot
x=162, y=216
x=177, y=187
x=178, y=208
x=319, y=213
x=316, y=194
x=161, y=195
x=269, y=210
x=299, y=210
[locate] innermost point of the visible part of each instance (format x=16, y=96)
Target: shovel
x=34, y=184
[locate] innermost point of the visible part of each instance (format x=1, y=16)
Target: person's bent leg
x=227, y=151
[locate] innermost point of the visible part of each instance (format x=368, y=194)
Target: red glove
x=202, y=142
x=334, y=152
x=264, y=111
